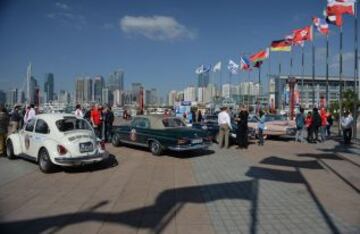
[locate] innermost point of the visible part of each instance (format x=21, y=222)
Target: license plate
x=197, y=141
x=86, y=147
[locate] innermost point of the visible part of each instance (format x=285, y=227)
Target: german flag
x=281, y=45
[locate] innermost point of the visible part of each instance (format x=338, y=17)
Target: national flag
x=217, y=67
x=281, y=45
x=340, y=8
x=333, y=19
x=233, y=67
x=258, y=64
x=244, y=63
x=259, y=56
x=202, y=69
x=321, y=25
x=302, y=34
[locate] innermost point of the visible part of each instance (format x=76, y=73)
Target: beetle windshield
x=70, y=124
x=173, y=123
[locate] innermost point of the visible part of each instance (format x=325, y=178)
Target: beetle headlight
x=204, y=127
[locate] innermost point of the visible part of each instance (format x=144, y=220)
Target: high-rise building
x=107, y=97
x=79, y=91
x=88, y=89
x=203, y=79
x=190, y=94
x=119, y=97
x=172, y=98
x=154, y=97
x=135, y=91
x=147, y=97
x=49, y=87
x=21, y=96
x=116, y=80
x=28, y=84
x=180, y=96
x=64, y=97
x=2, y=97
x=99, y=84
x=34, y=91
x=228, y=90
x=11, y=97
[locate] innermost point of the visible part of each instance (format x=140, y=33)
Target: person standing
x=78, y=112
x=4, y=124
x=324, y=123
x=242, y=128
x=30, y=113
x=300, y=121
x=330, y=122
x=95, y=118
x=308, y=125
x=261, y=128
x=15, y=119
x=224, y=127
x=108, y=120
x=316, y=124
x=346, y=125
x=199, y=117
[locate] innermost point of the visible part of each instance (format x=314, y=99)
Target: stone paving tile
x=280, y=203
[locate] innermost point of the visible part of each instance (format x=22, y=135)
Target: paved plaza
x=283, y=187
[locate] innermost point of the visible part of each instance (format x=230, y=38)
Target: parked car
x=159, y=133
x=56, y=139
x=275, y=125
x=211, y=125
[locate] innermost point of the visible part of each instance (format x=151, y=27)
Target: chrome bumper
x=88, y=159
x=189, y=147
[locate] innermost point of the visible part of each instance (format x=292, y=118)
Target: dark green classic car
x=160, y=133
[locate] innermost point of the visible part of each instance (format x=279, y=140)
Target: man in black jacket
x=316, y=124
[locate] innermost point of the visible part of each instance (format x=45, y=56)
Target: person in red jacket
x=324, y=123
x=96, y=119
x=308, y=125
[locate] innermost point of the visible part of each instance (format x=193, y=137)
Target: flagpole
x=327, y=70
x=340, y=78
x=302, y=75
x=248, y=89
x=291, y=62
x=313, y=74
x=356, y=69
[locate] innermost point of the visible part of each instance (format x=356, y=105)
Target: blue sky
x=157, y=43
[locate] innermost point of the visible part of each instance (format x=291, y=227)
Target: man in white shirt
x=30, y=113
x=224, y=127
x=78, y=112
x=346, y=125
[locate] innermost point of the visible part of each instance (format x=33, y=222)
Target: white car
x=56, y=139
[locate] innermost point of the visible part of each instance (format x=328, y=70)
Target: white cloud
x=62, y=6
x=158, y=28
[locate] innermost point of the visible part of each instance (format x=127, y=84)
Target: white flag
x=233, y=67
x=217, y=67
x=199, y=70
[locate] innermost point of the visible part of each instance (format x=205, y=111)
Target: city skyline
x=72, y=38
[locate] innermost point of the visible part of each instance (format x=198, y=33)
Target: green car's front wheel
x=155, y=148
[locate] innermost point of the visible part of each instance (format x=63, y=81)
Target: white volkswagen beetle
x=56, y=139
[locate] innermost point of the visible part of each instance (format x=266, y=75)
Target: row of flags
x=333, y=13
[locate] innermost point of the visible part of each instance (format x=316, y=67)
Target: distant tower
x=28, y=78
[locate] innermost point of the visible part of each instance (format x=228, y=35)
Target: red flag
x=340, y=8
x=259, y=56
x=302, y=34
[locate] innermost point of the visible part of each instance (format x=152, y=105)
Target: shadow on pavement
x=292, y=177
x=167, y=205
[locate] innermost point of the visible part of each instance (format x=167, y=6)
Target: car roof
x=53, y=117
x=155, y=120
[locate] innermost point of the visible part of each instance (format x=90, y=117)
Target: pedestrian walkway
x=254, y=191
